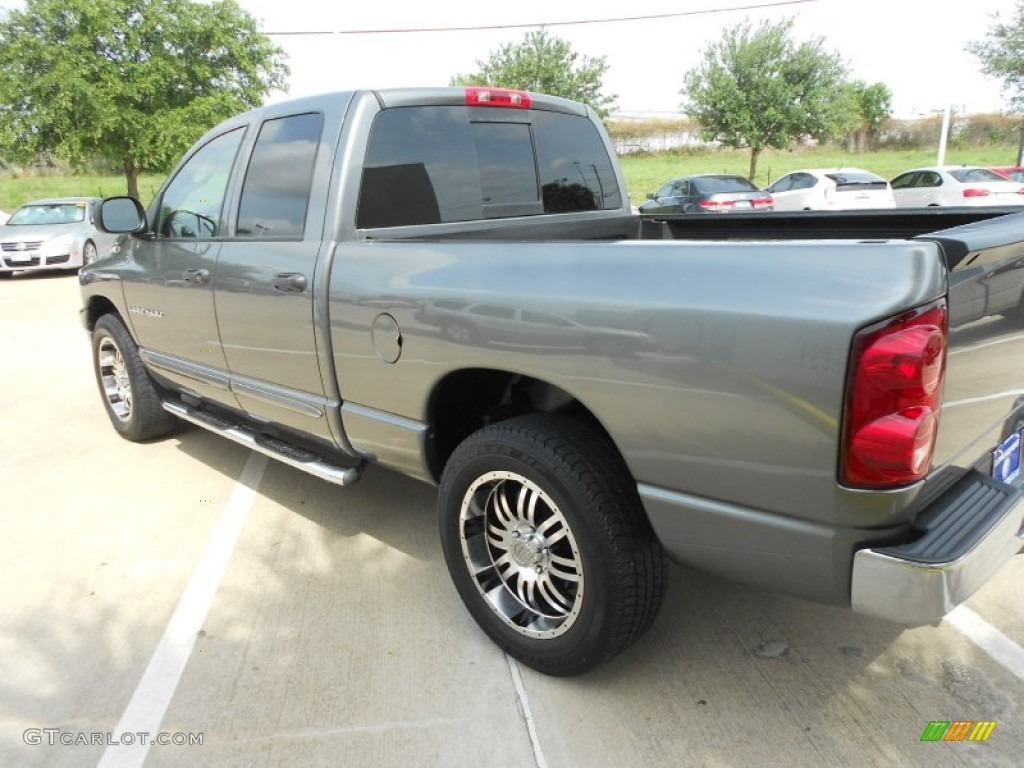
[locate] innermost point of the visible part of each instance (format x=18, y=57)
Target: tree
x=135, y=82
x=873, y=106
x=1002, y=55
x=756, y=88
x=544, y=64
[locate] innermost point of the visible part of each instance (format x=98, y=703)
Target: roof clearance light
x=497, y=97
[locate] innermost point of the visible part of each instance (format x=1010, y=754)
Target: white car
x=52, y=234
x=955, y=185
x=831, y=189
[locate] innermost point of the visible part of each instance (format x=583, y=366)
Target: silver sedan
x=56, y=233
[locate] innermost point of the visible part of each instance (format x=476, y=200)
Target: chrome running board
x=285, y=452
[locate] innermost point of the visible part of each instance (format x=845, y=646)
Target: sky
x=916, y=47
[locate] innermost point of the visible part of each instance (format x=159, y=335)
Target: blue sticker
x=1006, y=459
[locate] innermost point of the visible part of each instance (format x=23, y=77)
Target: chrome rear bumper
x=920, y=583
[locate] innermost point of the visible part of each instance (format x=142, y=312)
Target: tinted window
x=928, y=179
x=976, y=174
x=504, y=152
x=192, y=203
x=711, y=184
x=576, y=173
x=427, y=165
x=672, y=189
x=803, y=181
x=275, y=194
x=419, y=169
x=903, y=180
x=782, y=185
x=854, y=177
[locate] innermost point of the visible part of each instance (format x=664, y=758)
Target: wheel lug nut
x=539, y=568
x=516, y=534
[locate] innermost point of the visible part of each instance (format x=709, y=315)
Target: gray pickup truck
x=449, y=283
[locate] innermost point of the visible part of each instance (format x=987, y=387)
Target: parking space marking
x=524, y=707
x=149, y=703
x=985, y=398
x=989, y=639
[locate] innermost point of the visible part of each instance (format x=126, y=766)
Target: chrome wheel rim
x=117, y=386
x=521, y=554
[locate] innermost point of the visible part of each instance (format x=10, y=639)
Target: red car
x=1012, y=172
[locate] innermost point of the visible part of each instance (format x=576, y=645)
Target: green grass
x=647, y=173
x=644, y=173
x=18, y=189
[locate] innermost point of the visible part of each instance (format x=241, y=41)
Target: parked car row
x=57, y=233
x=824, y=189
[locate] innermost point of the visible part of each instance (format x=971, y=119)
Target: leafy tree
x=1002, y=55
x=757, y=88
x=544, y=64
x=133, y=81
x=874, y=106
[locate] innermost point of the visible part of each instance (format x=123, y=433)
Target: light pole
x=944, y=135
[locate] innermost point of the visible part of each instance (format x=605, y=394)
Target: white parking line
x=984, y=398
x=524, y=707
x=989, y=639
x=149, y=703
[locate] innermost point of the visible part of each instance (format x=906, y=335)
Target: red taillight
x=716, y=205
x=477, y=96
x=893, y=398
x=762, y=202
x=974, y=192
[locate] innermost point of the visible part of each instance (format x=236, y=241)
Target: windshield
x=976, y=174
x=56, y=213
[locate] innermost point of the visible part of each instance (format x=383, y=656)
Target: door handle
x=196, y=276
x=290, y=282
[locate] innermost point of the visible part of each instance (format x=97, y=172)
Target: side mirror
x=650, y=195
x=122, y=216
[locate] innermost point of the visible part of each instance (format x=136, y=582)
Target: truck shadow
x=359, y=572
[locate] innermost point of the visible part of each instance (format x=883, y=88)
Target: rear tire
x=547, y=543
x=130, y=396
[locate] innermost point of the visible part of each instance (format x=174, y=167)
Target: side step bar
x=291, y=455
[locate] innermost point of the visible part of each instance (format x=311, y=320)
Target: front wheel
x=547, y=543
x=89, y=253
x=130, y=395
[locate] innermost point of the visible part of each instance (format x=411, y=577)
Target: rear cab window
x=439, y=164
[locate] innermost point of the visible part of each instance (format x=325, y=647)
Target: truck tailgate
x=984, y=385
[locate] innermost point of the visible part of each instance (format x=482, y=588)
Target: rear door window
x=275, y=194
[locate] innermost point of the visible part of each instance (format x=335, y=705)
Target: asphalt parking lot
x=185, y=587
